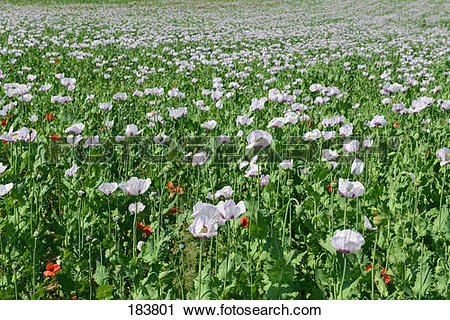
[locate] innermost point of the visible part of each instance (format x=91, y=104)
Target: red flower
x=386, y=278
x=309, y=124
x=243, y=222
x=170, y=185
x=329, y=188
x=57, y=60
x=4, y=123
x=54, y=137
x=49, y=116
x=52, y=269
x=397, y=124
x=147, y=230
x=73, y=297
x=174, y=210
x=429, y=152
x=140, y=225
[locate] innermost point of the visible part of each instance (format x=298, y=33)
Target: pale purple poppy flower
x=225, y=192
x=92, y=141
x=5, y=188
x=350, y=146
x=443, y=155
x=347, y=241
x=367, y=224
x=329, y=154
x=328, y=135
x=346, y=130
x=132, y=130
x=230, y=210
x=74, y=141
x=209, y=125
x=368, y=142
x=276, y=123
x=209, y=210
x=258, y=139
x=377, y=121
x=139, y=245
x=2, y=168
x=33, y=118
x=75, y=129
x=199, y=158
x=105, y=106
x=135, y=186
x=70, y=172
x=120, y=96
x=264, y=180
x=203, y=227
x=108, y=188
x=349, y=189
x=177, y=113
x=312, y=135
x=244, y=120
x=357, y=167
x=119, y=138
x=287, y=164
x=136, y=209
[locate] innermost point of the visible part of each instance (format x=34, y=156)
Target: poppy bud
x=15, y=266
x=81, y=193
x=379, y=220
x=182, y=245
x=36, y=234
x=408, y=241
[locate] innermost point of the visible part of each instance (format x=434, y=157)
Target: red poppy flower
x=140, y=225
x=147, y=230
x=49, y=116
x=429, y=152
x=329, y=188
x=309, y=124
x=243, y=222
x=170, y=185
x=174, y=210
x=52, y=269
x=54, y=137
x=4, y=123
x=397, y=124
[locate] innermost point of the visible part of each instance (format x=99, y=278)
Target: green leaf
x=101, y=274
x=105, y=292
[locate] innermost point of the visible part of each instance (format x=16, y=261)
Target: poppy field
x=224, y=150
